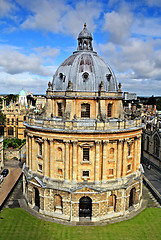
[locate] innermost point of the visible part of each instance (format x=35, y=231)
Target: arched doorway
x=132, y=197
x=85, y=207
x=37, y=198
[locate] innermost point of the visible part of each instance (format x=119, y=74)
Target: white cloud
x=58, y=16
x=14, y=83
x=6, y=7
x=156, y=3
x=12, y=61
x=118, y=24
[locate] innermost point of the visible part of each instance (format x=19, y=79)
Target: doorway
x=85, y=207
x=37, y=198
x=132, y=197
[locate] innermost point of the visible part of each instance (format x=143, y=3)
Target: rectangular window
x=85, y=110
x=60, y=112
x=111, y=172
x=109, y=110
x=40, y=167
x=8, y=121
x=129, y=149
x=85, y=173
x=85, y=154
x=12, y=121
x=60, y=172
x=128, y=167
x=40, y=149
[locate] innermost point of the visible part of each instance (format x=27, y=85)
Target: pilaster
x=97, y=163
x=119, y=158
x=74, y=167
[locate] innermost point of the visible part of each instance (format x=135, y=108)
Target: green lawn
x=20, y=225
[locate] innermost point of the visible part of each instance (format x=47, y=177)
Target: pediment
x=38, y=182
x=85, y=189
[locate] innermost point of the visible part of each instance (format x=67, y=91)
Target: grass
x=20, y=225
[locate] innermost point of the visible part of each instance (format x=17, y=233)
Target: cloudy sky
x=37, y=35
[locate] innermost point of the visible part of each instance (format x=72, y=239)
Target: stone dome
x=84, y=69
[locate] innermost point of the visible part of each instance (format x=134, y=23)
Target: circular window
x=85, y=76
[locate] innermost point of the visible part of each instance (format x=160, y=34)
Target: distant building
x=22, y=98
x=152, y=142
x=40, y=102
x=15, y=114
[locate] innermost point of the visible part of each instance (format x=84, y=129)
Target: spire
x=85, y=40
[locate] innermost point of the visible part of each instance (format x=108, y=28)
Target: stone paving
x=10, y=180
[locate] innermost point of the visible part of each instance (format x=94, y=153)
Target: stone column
x=124, y=167
x=34, y=167
x=139, y=152
x=119, y=158
x=97, y=161
x=46, y=158
x=50, y=156
x=104, y=167
x=66, y=164
x=74, y=168
x=52, y=160
x=30, y=151
x=135, y=154
x=27, y=150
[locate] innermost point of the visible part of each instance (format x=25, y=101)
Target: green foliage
x=10, y=97
x=13, y=143
x=151, y=101
x=19, y=224
x=158, y=104
x=2, y=118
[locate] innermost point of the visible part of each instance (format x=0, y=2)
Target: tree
x=2, y=118
x=151, y=101
x=159, y=104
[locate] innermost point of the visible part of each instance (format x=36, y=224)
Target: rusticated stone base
x=99, y=204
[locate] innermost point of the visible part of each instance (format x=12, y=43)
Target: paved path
x=154, y=177
x=9, y=182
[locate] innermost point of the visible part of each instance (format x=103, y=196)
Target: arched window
x=111, y=155
x=156, y=145
x=59, y=153
x=112, y=201
x=85, y=110
x=147, y=143
x=10, y=131
x=109, y=110
x=132, y=197
x=58, y=204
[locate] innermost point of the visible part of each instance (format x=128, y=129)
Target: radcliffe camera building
x=83, y=156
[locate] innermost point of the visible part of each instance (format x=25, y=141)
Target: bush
x=13, y=143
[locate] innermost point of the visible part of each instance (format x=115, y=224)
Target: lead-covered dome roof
x=85, y=70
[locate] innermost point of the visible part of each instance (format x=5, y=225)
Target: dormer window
x=109, y=110
x=85, y=76
x=60, y=109
x=62, y=77
x=85, y=110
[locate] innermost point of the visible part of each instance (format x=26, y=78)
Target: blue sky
x=37, y=35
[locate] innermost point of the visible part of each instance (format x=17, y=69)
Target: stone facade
x=15, y=116
x=152, y=142
x=83, y=156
